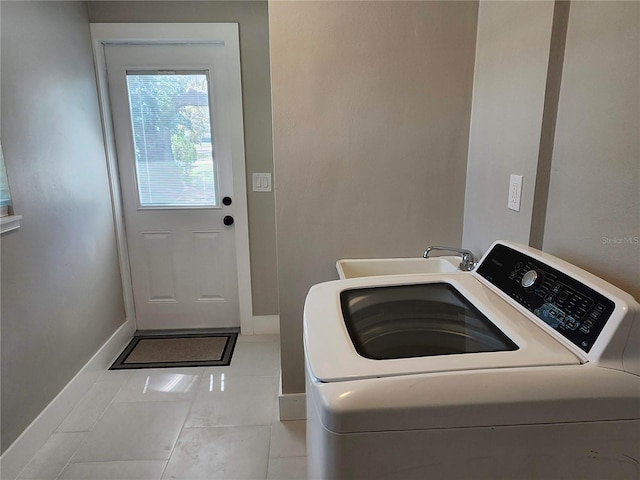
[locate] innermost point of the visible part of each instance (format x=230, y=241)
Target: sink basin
x=373, y=267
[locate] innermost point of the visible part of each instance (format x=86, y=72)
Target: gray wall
x=579, y=146
x=506, y=123
x=371, y=106
x=61, y=289
x=593, y=213
x=256, y=92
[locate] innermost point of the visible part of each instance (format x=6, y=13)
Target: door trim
x=160, y=33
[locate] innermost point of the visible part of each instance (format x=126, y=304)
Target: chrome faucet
x=468, y=262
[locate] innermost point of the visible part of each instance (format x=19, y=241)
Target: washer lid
x=423, y=320
x=382, y=326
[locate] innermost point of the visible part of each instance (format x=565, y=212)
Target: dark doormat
x=177, y=350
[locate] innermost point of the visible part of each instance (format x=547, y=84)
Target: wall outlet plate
x=515, y=192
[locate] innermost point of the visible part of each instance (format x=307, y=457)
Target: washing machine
x=527, y=367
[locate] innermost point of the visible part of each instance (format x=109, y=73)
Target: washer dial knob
x=531, y=279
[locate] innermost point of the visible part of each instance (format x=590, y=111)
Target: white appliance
x=526, y=367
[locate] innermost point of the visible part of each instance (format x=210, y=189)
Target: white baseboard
x=266, y=325
x=16, y=457
x=291, y=406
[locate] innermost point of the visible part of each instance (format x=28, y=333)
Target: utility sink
x=373, y=267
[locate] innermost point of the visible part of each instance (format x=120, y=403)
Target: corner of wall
x=18, y=454
x=508, y=109
x=549, y=118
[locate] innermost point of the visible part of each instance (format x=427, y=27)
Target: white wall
x=512, y=56
x=61, y=290
x=593, y=213
x=371, y=105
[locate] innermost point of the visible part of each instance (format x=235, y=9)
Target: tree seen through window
x=172, y=138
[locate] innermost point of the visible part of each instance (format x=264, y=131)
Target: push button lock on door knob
x=226, y=201
x=228, y=220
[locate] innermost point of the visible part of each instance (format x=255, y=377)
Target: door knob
x=228, y=220
x=227, y=201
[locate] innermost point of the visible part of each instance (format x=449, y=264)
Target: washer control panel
x=570, y=307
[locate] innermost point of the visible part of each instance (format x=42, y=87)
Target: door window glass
x=172, y=138
x=5, y=194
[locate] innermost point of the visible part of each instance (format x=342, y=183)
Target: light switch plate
x=515, y=192
x=261, y=182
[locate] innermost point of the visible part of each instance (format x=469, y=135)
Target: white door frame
x=159, y=33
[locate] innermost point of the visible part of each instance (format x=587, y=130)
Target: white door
x=172, y=121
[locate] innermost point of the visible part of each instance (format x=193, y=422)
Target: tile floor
x=180, y=423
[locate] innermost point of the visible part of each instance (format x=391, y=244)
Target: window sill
x=12, y=222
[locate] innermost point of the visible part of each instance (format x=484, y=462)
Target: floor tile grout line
x=71, y=456
x=183, y=428
x=173, y=448
x=126, y=379
x=83, y=397
x=248, y=425
x=69, y=462
x=55, y=431
x=288, y=456
x=40, y=449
